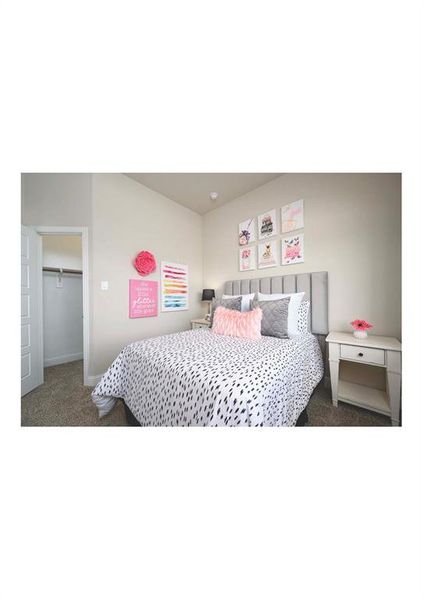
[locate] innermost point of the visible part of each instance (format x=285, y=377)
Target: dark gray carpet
x=64, y=401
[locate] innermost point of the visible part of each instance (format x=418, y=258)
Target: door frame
x=83, y=233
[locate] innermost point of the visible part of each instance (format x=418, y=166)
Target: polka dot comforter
x=200, y=378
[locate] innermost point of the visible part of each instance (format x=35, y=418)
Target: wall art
x=247, y=232
x=267, y=224
x=143, y=300
x=247, y=259
x=174, y=286
x=145, y=263
x=293, y=249
x=292, y=216
x=267, y=254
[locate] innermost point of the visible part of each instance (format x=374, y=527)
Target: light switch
x=104, y=285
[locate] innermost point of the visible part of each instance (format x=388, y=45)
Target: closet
x=62, y=299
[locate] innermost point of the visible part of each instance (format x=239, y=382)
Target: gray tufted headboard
x=315, y=286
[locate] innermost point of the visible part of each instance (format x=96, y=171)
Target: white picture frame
x=267, y=254
x=248, y=258
x=267, y=225
x=247, y=232
x=292, y=249
x=174, y=286
x=292, y=216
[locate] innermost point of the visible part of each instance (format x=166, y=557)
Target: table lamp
x=208, y=296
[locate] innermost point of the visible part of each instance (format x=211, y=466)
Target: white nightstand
x=373, y=350
x=200, y=324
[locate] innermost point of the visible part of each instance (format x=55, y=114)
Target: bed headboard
x=315, y=286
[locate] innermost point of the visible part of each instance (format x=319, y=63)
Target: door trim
x=83, y=233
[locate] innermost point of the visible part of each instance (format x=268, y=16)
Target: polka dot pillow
x=303, y=311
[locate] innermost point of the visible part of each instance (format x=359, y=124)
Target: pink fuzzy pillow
x=238, y=324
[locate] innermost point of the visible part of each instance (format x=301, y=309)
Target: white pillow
x=293, y=306
x=245, y=300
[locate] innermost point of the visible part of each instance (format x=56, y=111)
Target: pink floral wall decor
x=143, y=298
x=293, y=249
x=247, y=258
x=145, y=263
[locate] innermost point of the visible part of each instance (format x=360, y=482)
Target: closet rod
x=56, y=270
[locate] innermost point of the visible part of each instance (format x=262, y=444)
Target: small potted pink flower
x=360, y=328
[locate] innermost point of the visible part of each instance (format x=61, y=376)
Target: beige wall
x=127, y=218
x=352, y=230
x=123, y=218
x=62, y=251
x=62, y=199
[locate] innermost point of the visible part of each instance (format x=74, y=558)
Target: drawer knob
x=360, y=354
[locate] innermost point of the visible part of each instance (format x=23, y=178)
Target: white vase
x=361, y=334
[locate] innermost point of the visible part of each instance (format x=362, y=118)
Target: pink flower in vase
x=360, y=325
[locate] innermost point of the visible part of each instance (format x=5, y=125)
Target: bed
x=198, y=378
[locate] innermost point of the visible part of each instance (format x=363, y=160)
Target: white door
x=32, y=372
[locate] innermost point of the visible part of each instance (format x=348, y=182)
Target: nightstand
x=374, y=350
x=200, y=324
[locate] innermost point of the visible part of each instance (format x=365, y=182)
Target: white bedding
x=199, y=378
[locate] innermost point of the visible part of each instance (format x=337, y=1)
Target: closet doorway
x=64, y=283
x=62, y=300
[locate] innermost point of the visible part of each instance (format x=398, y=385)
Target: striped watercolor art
x=174, y=286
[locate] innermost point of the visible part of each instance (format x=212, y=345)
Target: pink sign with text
x=142, y=298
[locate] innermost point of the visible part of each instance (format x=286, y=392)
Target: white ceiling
x=193, y=189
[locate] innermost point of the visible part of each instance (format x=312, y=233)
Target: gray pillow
x=231, y=303
x=275, y=317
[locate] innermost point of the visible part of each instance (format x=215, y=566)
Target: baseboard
x=60, y=360
x=92, y=380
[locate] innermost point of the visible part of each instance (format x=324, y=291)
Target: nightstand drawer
x=200, y=326
x=375, y=356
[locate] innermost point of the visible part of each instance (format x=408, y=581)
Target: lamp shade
x=208, y=295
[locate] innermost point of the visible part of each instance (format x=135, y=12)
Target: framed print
x=292, y=216
x=142, y=298
x=293, y=249
x=267, y=254
x=267, y=224
x=247, y=232
x=247, y=259
x=174, y=286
